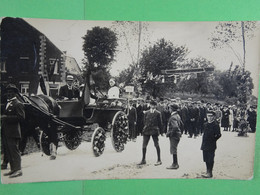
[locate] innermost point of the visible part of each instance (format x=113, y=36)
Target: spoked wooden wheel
x=72, y=139
x=98, y=141
x=45, y=143
x=119, y=131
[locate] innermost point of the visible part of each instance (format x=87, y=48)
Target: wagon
x=75, y=121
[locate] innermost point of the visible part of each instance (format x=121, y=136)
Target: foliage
x=162, y=55
x=236, y=83
x=99, y=50
x=132, y=35
x=101, y=78
x=99, y=47
x=126, y=76
x=198, y=82
x=198, y=62
x=227, y=33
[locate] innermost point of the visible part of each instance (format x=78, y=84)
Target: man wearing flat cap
x=12, y=116
x=174, y=129
x=152, y=127
x=209, y=142
x=68, y=91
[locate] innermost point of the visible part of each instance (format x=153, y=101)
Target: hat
x=12, y=87
x=70, y=78
x=211, y=112
x=131, y=101
x=174, y=107
x=153, y=103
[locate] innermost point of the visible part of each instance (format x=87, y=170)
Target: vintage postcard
x=87, y=100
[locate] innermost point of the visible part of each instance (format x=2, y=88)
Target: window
x=25, y=87
x=24, y=65
x=3, y=67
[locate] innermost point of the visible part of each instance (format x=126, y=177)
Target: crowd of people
x=175, y=117
x=193, y=115
x=147, y=117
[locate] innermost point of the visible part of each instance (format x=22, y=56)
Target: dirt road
x=233, y=160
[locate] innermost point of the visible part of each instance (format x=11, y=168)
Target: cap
x=70, y=78
x=211, y=112
x=153, y=103
x=174, y=107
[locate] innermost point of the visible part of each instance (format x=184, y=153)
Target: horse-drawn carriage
x=74, y=121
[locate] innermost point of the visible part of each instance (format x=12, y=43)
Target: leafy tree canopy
x=162, y=55
x=99, y=47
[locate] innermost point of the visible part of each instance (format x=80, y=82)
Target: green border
x=136, y=10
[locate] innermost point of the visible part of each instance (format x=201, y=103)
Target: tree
x=99, y=51
x=162, y=55
x=126, y=76
x=236, y=83
x=99, y=47
x=133, y=34
x=199, y=83
x=227, y=33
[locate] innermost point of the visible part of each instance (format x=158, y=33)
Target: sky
x=67, y=36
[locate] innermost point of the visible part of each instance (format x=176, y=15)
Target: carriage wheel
x=45, y=143
x=98, y=141
x=72, y=139
x=119, y=131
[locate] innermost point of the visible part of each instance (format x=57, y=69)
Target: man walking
x=152, y=127
x=210, y=136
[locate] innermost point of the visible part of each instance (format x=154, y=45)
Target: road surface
x=233, y=160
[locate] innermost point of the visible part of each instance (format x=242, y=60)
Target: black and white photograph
x=92, y=100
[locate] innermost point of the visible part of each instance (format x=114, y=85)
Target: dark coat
x=193, y=114
x=11, y=119
x=184, y=114
x=140, y=119
x=152, y=123
x=174, y=126
x=132, y=117
x=66, y=92
x=210, y=136
x=225, y=118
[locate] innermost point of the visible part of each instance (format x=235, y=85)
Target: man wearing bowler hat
x=152, y=127
x=68, y=91
x=13, y=115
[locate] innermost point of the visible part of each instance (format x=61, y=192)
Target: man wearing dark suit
x=140, y=116
x=132, y=117
x=152, y=127
x=12, y=116
x=68, y=91
x=193, y=116
x=209, y=142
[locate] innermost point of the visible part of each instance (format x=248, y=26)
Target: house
x=28, y=56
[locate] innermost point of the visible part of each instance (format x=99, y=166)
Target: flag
x=43, y=88
x=86, y=94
